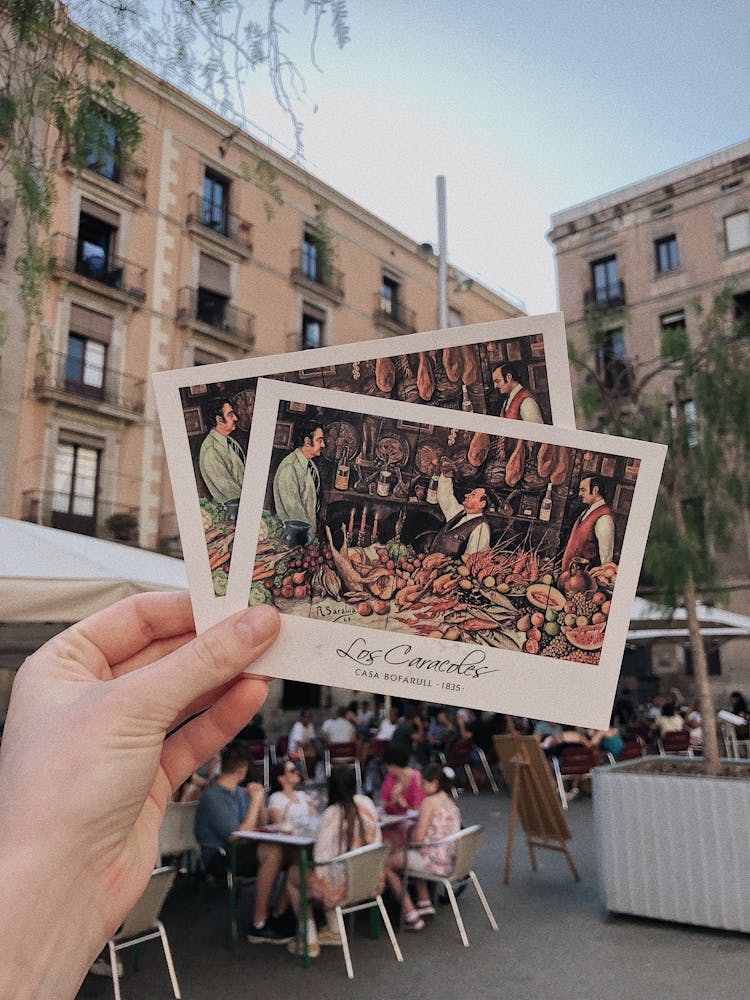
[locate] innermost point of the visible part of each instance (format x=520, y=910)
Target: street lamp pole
x=442, y=253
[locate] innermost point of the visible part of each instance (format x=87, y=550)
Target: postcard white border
x=525, y=684
x=167, y=387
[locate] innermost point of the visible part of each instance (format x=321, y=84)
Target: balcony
x=110, y=275
x=219, y=320
x=393, y=315
x=308, y=272
x=88, y=517
x=102, y=390
x=130, y=178
x=610, y=296
x=230, y=227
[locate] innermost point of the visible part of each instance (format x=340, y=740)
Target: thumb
x=165, y=688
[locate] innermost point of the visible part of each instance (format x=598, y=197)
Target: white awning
x=653, y=621
x=48, y=575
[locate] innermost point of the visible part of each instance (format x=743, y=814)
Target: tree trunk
x=698, y=650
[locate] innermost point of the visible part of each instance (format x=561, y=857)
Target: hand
x=86, y=769
x=255, y=790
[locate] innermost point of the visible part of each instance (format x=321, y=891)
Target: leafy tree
x=694, y=397
x=60, y=87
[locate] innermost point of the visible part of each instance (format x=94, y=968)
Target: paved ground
x=555, y=941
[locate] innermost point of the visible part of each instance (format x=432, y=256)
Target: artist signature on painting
x=471, y=664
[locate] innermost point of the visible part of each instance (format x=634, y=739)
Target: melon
x=544, y=595
x=586, y=637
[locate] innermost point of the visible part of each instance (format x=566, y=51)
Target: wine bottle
x=545, y=512
x=384, y=481
x=432, y=489
x=343, y=470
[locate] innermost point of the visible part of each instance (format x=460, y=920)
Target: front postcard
x=442, y=556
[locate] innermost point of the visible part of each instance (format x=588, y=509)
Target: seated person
x=254, y=730
x=438, y=818
x=387, y=727
x=670, y=720
x=410, y=733
x=350, y=821
x=608, y=741
x=694, y=722
x=286, y=802
x=338, y=729
x=303, y=741
x=231, y=803
x=440, y=731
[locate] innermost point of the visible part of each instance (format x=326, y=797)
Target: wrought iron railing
x=611, y=296
x=227, y=224
x=306, y=267
x=94, y=384
x=84, y=515
x=232, y=323
x=109, y=269
x=389, y=311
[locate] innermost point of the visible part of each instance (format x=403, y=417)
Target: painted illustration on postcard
x=481, y=370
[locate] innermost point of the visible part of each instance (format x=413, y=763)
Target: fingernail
x=259, y=624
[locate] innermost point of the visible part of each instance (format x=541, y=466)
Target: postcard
x=518, y=367
x=472, y=560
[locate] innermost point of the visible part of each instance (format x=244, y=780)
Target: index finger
x=130, y=625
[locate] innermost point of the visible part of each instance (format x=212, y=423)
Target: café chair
x=143, y=924
x=365, y=873
x=632, y=749
x=262, y=754
x=573, y=762
x=177, y=834
x=343, y=753
x=675, y=743
x=457, y=756
x=467, y=843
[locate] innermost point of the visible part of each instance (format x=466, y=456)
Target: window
x=85, y=365
x=389, y=296
x=611, y=361
x=310, y=263
x=104, y=154
x=666, y=254
x=607, y=289
x=215, y=203
x=76, y=473
x=688, y=419
x=94, y=246
x=741, y=303
x=211, y=308
x=674, y=342
x=737, y=231
x=312, y=331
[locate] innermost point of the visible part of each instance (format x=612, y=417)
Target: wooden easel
x=533, y=799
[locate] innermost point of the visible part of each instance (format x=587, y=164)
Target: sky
x=525, y=107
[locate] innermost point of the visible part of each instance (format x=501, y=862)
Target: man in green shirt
x=221, y=460
x=296, y=485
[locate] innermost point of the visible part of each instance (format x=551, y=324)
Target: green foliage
x=695, y=399
x=264, y=177
x=324, y=242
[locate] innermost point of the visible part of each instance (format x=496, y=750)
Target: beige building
x=644, y=254
x=184, y=259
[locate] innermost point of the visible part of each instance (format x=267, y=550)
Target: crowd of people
x=402, y=754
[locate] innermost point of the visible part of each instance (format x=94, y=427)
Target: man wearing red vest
x=519, y=404
x=592, y=536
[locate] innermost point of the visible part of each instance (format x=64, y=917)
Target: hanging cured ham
x=425, y=378
x=385, y=374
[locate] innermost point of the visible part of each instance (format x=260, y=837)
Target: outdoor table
x=276, y=834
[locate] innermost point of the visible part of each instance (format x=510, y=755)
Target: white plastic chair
x=364, y=875
x=467, y=844
x=177, y=831
x=143, y=924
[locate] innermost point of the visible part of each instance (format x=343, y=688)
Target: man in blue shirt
x=229, y=804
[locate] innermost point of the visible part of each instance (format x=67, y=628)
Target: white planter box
x=672, y=847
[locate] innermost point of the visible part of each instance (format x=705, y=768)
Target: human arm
x=604, y=529
x=445, y=495
x=256, y=811
x=530, y=411
x=80, y=810
x=419, y=832
x=391, y=795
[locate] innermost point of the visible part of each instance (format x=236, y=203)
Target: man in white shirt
x=519, y=403
x=338, y=729
x=388, y=726
x=466, y=529
x=302, y=740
